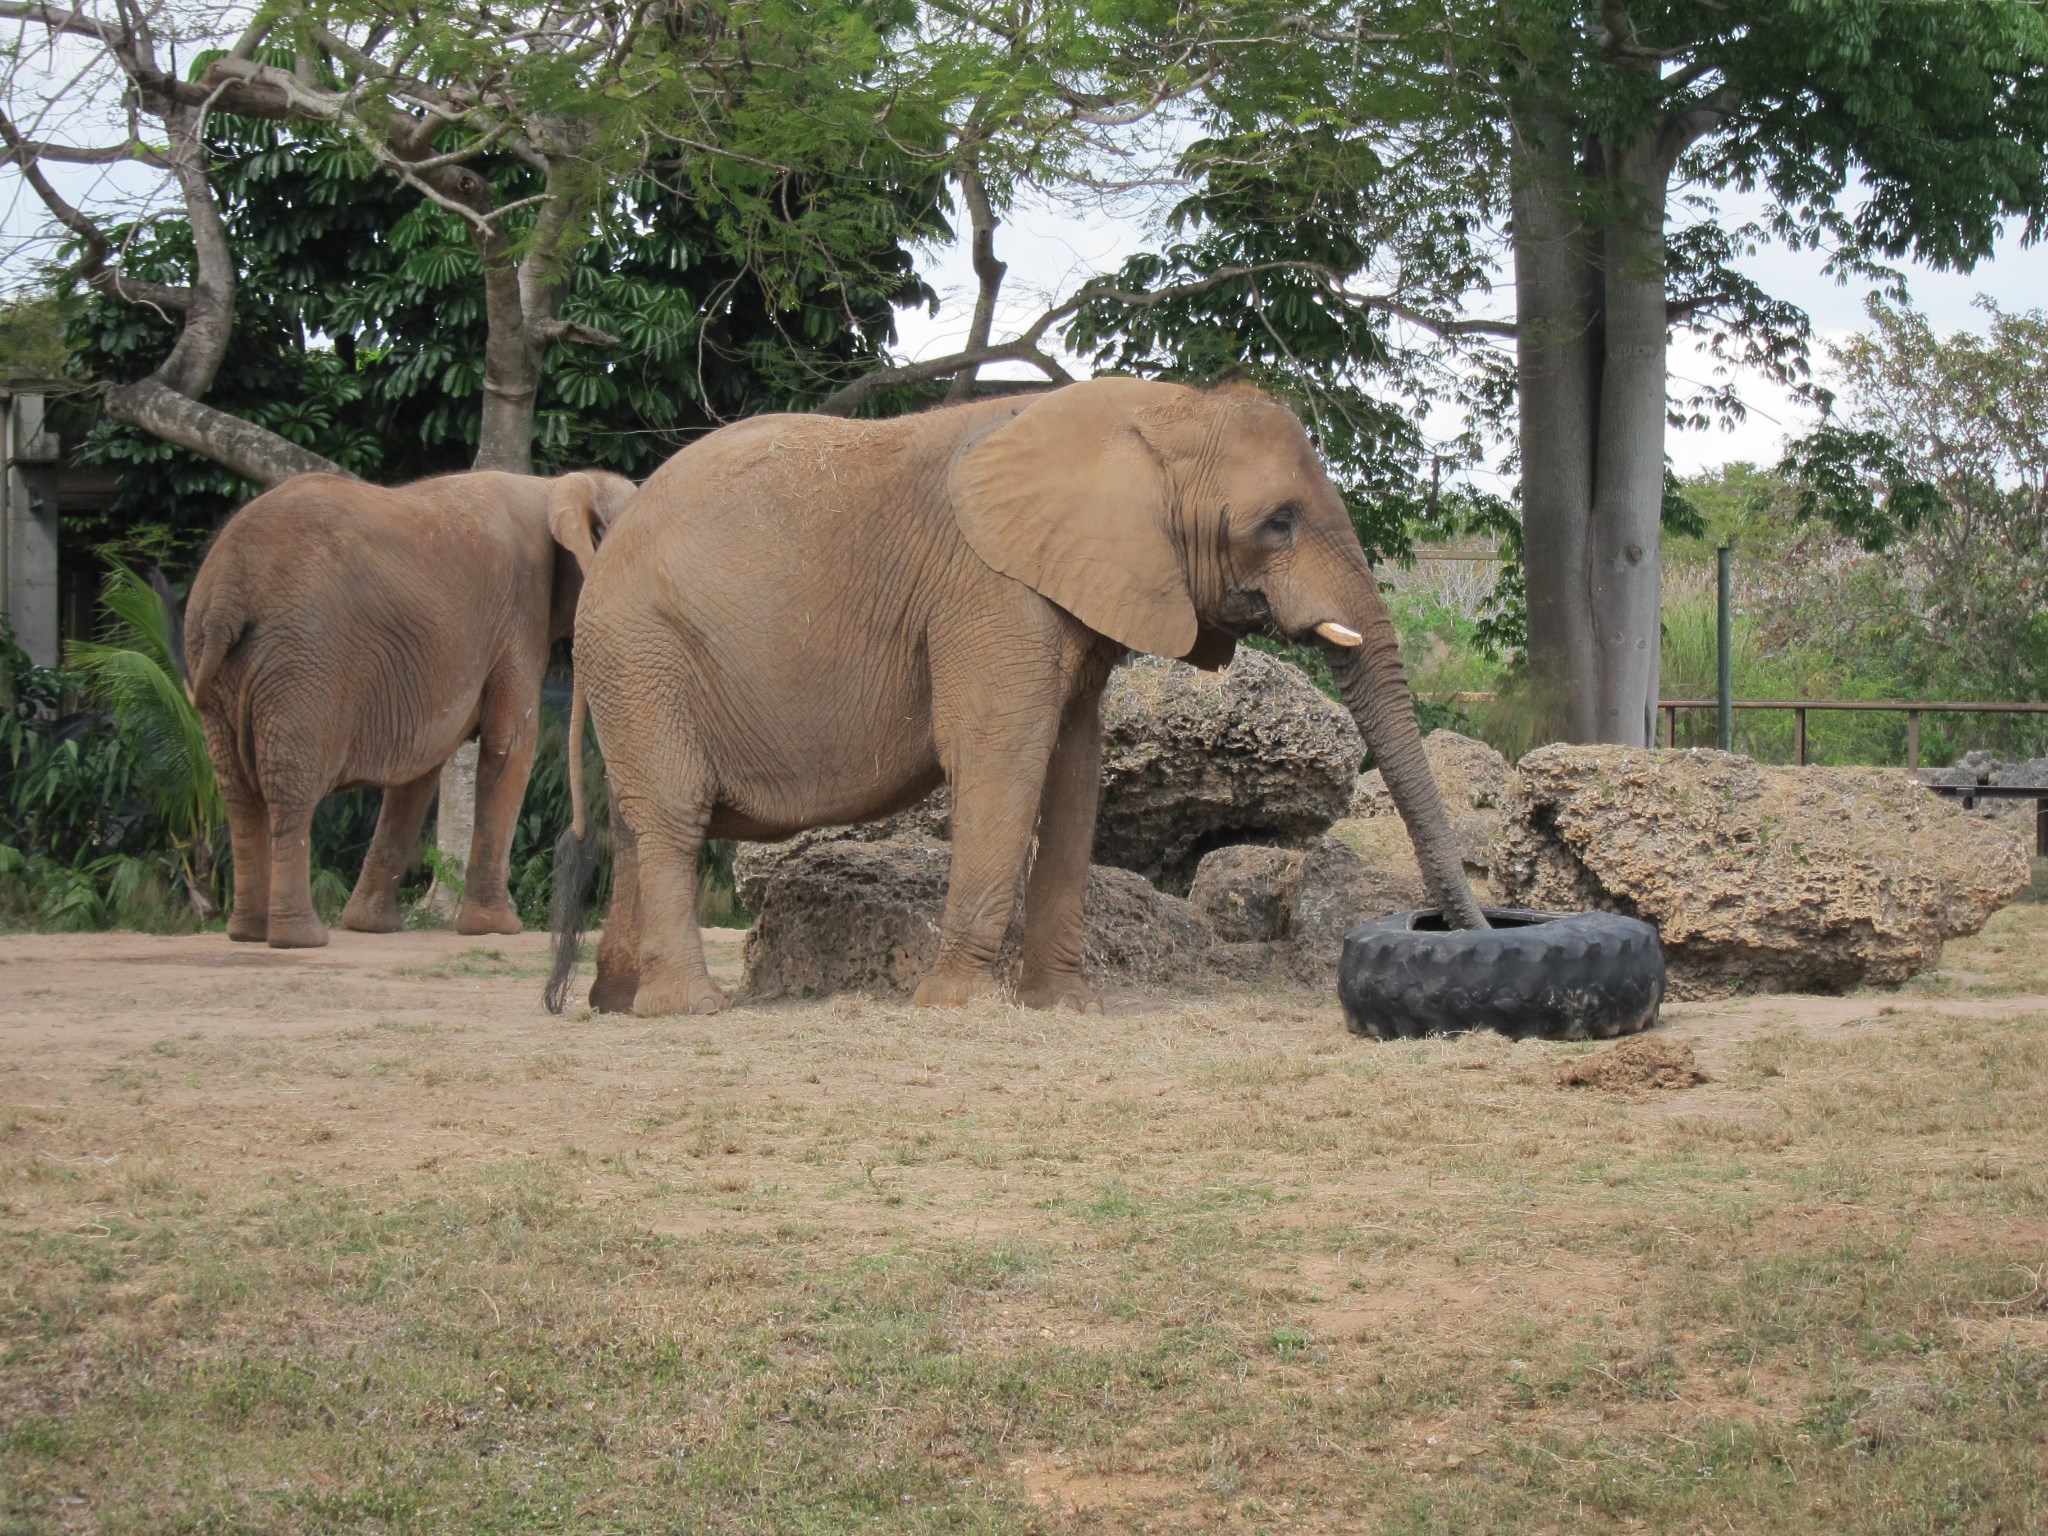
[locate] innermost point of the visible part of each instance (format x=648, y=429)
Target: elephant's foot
x=297, y=933
x=614, y=994
x=474, y=919
x=677, y=994
x=954, y=989
x=372, y=914
x=248, y=927
x=1059, y=991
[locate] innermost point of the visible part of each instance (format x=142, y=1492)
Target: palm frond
x=131, y=673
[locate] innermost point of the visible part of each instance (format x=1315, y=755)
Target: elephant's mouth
x=1245, y=612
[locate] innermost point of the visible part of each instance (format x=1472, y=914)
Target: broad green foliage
x=360, y=330
x=132, y=672
x=79, y=846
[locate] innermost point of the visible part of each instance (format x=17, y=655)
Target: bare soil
x=362, y=1238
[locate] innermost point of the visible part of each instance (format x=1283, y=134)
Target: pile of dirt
x=1635, y=1066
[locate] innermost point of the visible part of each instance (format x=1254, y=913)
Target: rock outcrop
x=1364, y=867
x=846, y=915
x=1195, y=760
x=1759, y=879
x=1245, y=893
x=1476, y=782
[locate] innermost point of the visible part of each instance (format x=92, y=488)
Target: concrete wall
x=28, y=526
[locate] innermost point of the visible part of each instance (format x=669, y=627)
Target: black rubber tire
x=1532, y=976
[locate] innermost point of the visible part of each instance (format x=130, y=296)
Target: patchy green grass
x=408, y=1261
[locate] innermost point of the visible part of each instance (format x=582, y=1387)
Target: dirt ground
x=361, y=1239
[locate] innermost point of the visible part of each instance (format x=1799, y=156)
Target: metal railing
x=1913, y=709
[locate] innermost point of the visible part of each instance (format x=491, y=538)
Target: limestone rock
x=863, y=916
x=929, y=821
x=1476, y=783
x=1195, y=760
x=1251, y=960
x=1359, y=871
x=1759, y=879
x=1245, y=892
x=842, y=916
x=1469, y=773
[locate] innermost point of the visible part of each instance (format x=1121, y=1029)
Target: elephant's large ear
x=1069, y=498
x=576, y=516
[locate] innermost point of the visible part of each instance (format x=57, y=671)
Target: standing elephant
x=811, y=621
x=343, y=634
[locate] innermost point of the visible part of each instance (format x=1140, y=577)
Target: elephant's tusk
x=1337, y=634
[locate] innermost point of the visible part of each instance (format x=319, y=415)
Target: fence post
x=1799, y=736
x=1671, y=726
x=1725, y=562
x=1912, y=738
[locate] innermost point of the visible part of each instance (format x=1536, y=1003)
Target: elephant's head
x=1176, y=520
x=581, y=509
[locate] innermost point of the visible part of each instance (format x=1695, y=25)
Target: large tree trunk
x=1557, y=364
x=1590, y=360
x=1623, y=560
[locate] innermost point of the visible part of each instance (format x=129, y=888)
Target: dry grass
x=364, y=1241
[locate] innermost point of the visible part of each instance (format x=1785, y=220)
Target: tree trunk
x=511, y=365
x=454, y=825
x=1557, y=366
x=1623, y=559
x=1590, y=361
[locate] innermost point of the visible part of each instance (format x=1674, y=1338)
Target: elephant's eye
x=1278, y=530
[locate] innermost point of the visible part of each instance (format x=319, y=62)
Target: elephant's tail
x=222, y=623
x=575, y=864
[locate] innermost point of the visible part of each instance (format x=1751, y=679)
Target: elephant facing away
x=343, y=634
x=810, y=621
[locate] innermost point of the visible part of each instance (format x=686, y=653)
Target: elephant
x=812, y=621
x=343, y=634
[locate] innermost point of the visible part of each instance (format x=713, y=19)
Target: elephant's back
x=325, y=538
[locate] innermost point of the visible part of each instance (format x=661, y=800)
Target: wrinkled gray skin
x=810, y=621
x=345, y=634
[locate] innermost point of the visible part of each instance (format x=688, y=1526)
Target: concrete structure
x=28, y=525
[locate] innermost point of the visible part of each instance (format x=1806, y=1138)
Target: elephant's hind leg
x=293, y=922
x=394, y=849
x=248, y=834
x=667, y=818
x=504, y=762
x=618, y=947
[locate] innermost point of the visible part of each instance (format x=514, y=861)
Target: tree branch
x=64, y=23
x=253, y=452
x=988, y=272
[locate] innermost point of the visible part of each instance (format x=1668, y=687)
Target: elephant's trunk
x=1375, y=690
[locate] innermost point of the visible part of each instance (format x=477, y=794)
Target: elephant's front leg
x=506, y=734
x=996, y=785
x=1054, y=934
x=395, y=847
